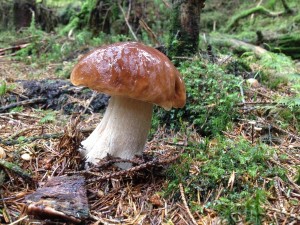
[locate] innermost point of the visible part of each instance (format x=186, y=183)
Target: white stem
x=122, y=132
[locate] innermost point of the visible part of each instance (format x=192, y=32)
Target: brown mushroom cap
x=132, y=70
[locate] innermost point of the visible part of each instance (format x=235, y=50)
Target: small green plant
x=17, y=109
x=21, y=139
x=253, y=207
x=48, y=118
x=4, y=87
x=298, y=176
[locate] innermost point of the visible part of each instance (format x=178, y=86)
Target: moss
x=259, y=9
x=215, y=165
x=288, y=44
x=297, y=19
x=211, y=98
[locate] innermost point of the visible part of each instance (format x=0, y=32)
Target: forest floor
x=45, y=142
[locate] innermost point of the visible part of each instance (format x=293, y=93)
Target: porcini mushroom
x=137, y=77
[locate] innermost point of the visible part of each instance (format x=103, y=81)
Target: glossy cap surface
x=132, y=70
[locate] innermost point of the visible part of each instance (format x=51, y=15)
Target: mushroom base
x=122, y=132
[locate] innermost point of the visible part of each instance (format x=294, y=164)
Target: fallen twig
x=30, y=139
x=119, y=173
x=20, y=114
x=282, y=130
x=258, y=103
x=102, y=177
x=186, y=205
x=295, y=216
x=149, y=31
x=19, y=220
x=128, y=25
x=13, y=48
x=15, y=169
x=261, y=94
x=22, y=103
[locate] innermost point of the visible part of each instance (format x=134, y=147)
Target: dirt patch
x=59, y=95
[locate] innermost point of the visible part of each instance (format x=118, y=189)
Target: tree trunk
x=185, y=27
x=45, y=17
x=5, y=15
x=22, y=13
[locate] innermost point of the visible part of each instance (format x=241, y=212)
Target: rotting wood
x=3, y=51
x=288, y=44
x=191, y=217
x=62, y=198
x=238, y=45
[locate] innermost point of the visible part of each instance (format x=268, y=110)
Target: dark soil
x=57, y=95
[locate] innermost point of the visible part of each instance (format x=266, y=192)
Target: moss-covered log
x=267, y=63
x=236, y=46
x=259, y=9
x=288, y=44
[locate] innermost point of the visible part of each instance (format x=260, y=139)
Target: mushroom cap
x=132, y=70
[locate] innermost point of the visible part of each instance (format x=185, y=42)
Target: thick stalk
x=122, y=132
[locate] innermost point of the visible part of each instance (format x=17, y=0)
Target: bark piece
x=61, y=198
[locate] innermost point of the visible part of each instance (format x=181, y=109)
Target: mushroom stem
x=122, y=132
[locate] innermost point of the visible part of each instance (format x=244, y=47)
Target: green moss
x=275, y=69
x=211, y=98
x=243, y=14
x=237, y=160
x=298, y=178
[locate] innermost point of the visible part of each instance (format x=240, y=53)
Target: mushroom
x=252, y=82
x=137, y=77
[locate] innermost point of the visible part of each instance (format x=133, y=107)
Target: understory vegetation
x=240, y=142
x=212, y=95
x=232, y=177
